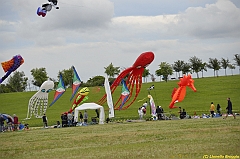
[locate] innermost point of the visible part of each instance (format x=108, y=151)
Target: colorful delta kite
x=47, y=7
x=125, y=93
x=11, y=65
x=179, y=94
x=59, y=91
x=134, y=79
x=76, y=83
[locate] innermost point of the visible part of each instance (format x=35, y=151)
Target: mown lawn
x=210, y=89
x=188, y=138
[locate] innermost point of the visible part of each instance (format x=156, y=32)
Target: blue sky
x=90, y=34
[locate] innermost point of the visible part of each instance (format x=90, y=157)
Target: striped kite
x=76, y=83
x=59, y=91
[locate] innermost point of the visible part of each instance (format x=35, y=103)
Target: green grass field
x=188, y=138
x=211, y=89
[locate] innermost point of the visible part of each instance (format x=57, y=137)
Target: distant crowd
x=160, y=115
x=8, y=123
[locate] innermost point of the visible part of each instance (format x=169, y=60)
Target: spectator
x=183, y=114
x=45, y=120
x=159, y=112
x=9, y=123
x=85, y=117
x=81, y=117
x=229, y=109
x=140, y=113
x=145, y=104
x=15, y=122
x=65, y=119
x=219, y=109
x=144, y=110
x=1, y=123
x=69, y=119
x=97, y=113
x=212, y=109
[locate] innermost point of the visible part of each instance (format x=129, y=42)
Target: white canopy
x=85, y=106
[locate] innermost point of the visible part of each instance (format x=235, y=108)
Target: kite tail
x=5, y=76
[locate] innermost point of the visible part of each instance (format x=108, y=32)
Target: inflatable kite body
x=134, y=79
x=47, y=7
x=81, y=96
x=11, y=65
x=38, y=103
x=179, y=94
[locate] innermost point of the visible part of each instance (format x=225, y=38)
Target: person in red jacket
x=15, y=122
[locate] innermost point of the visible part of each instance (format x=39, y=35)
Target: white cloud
x=87, y=36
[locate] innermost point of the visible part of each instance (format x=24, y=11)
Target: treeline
x=18, y=82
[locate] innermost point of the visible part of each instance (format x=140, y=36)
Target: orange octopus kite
x=179, y=94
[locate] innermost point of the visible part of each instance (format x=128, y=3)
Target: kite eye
x=43, y=90
x=48, y=91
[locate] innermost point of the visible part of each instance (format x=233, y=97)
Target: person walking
x=229, y=109
x=44, y=118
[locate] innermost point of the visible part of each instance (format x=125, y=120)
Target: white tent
x=85, y=106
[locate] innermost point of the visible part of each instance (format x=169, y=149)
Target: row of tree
x=18, y=82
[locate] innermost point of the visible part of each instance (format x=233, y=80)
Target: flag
x=125, y=93
x=109, y=97
x=59, y=91
x=152, y=104
x=76, y=83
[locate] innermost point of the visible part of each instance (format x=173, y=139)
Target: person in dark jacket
x=44, y=118
x=81, y=117
x=159, y=112
x=219, y=109
x=229, y=109
x=183, y=114
x=1, y=123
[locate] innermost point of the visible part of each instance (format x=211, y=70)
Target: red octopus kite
x=134, y=79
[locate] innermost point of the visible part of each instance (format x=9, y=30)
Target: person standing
x=85, y=117
x=97, y=113
x=1, y=123
x=229, y=109
x=212, y=109
x=81, y=117
x=44, y=118
x=219, y=109
x=140, y=113
x=159, y=112
x=15, y=122
x=69, y=119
